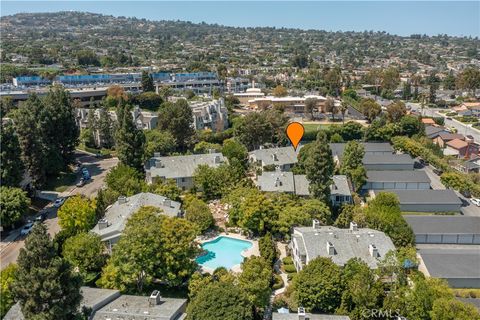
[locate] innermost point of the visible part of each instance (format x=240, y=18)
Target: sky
x=455, y=18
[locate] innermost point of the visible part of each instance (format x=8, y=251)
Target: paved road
x=461, y=127
x=98, y=169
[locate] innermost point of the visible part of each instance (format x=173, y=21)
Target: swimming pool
x=223, y=252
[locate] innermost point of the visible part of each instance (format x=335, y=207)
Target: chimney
x=278, y=183
x=102, y=224
x=373, y=250
x=301, y=313
x=353, y=226
x=154, y=299
x=330, y=248
x=217, y=159
x=315, y=224
x=167, y=203
x=122, y=200
x=212, y=150
x=157, y=154
x=275, y=156
x=158, y=163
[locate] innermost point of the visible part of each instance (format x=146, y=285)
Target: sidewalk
x=283, y=275
x=12, y=236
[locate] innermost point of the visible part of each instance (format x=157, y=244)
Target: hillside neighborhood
x=150, y=174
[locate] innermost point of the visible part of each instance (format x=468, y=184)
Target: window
x=337, y=198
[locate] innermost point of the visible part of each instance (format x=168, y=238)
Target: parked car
x=26, y=229
x=81, y=183
x=475, y=201
x=58, y=203
x=41, y=216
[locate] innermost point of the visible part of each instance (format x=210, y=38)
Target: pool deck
x=252, y=251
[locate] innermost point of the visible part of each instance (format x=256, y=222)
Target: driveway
x=98, y=168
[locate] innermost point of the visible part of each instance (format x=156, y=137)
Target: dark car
x=42, y=216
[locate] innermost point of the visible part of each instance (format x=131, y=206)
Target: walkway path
x=283, y=253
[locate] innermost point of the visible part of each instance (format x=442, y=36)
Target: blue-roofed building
x=31, y=81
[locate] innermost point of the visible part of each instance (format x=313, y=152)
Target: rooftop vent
x=373, y=250
x=102, y=224
x=158, y=163
x=278, y=183
x=275, y=157
x=315, y=224
x=301, y=313
x=353, y=226
x=217, y=159
x=167, y=203
x=122, y=200
x=330, y=248
x=154, y=298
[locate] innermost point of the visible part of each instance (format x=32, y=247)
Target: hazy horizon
x=400, y=18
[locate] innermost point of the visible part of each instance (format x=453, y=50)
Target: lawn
x=309, y=127
x=61, y=182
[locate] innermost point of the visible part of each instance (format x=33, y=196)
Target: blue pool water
x=223, y=252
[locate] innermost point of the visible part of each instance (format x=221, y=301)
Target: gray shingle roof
x=444, y=224
x=432, y=131
x=277, y=181
x=340, y=186
x=426, y=196
x=284, y=155
x=370, y=147
x=137, y=307
x=310, y=316
x=397, y=176
x=452, y=263
x=348, y=244
x=182, y=166
x=118, y=214
x=387, y=159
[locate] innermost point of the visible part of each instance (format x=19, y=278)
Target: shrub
x=278, y=282
x=287, y=261
x=289, y=268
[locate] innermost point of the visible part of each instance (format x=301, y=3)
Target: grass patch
x=103, y=152
x=420, y=213
x=313, y=127
x=467, y=293
x=61, y=182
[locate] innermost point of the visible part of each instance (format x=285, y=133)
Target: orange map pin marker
x=295, y=131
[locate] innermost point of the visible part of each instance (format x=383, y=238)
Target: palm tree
x=343, y=109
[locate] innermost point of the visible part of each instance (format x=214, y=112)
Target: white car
x=26, y=229
x=58, y=203
x=475, y=201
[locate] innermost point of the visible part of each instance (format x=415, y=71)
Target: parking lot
x=98, y=169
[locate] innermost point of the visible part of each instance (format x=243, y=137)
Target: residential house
x=294, y=105
x=433, y=132
x=372, y=148
x=427, y=200
x=180, y=168
x=397, y=180
x=428, y=121
x=211, y=115
x=443, y=138
x=284, y=314
x=110, y=227
x=340, y=245
x=441, y=229
x=287, y=182
x=283, y=158
x=456, y=147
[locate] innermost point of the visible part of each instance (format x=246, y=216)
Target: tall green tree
x=85, y=251
x=198, y=212
x=129, y=139
x=318, y=287
x=159, y=141
x=106, y=129
x=11, y=169
x=220, y=300
x=370, y=109
x=7, y=276
x=13, y=205
x=177, y=118
x=77, y=214
x=452, y=309
x=255, y=281
x=151, y=246
x=319, y=168
x=268, y=248
x=469, y=79
x=61, y=132
x=31, y=139
x=352, y=164
x=396, y=110
x=147, y=82
x=45, y=284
